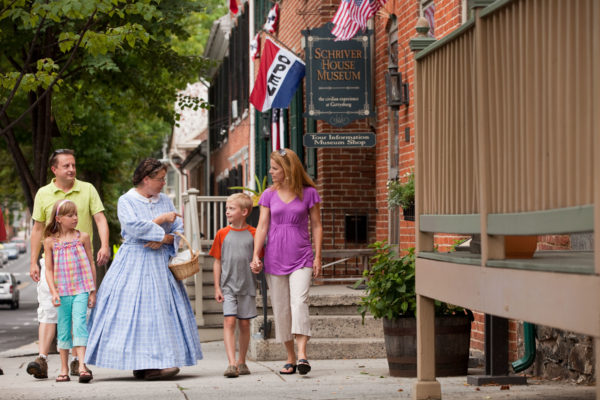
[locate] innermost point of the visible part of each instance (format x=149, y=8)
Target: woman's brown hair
x=148, y=167
x=295, y=175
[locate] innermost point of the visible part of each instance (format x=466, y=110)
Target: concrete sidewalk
x=329, y=379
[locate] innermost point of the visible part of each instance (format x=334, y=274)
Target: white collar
x=136, y=194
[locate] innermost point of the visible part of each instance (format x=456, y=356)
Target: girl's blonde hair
x=60, y=208
x=295, y=175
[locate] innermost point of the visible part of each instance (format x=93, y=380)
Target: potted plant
x=256, y=193
x=402, y=194
x=390, y=295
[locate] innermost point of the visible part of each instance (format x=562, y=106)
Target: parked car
x=13, y=250
x=9, y=291
x=21, y=244
x=3, y=257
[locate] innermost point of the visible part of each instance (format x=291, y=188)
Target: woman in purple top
x=286, y=209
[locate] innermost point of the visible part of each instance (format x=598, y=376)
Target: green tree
x=98, y=76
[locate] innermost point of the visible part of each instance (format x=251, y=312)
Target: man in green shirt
x=89, y=206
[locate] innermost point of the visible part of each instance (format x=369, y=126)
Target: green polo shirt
x=83, y=194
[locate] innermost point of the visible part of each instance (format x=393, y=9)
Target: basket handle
x=186, y=242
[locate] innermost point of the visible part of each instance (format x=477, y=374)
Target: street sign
x=353, y=139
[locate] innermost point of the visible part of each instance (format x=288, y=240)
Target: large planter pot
x=519, y=246
x=452, y=339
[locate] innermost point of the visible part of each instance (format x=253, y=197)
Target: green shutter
x=261, y=148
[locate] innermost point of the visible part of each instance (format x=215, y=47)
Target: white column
x=192, y=226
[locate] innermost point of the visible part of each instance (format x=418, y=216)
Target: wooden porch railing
x=507, y=137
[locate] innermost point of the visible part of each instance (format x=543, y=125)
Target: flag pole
x=279, y=42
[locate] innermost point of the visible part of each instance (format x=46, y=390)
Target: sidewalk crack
x=272, y=370
x=182, y=391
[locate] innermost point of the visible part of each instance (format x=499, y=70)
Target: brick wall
x=345, y=183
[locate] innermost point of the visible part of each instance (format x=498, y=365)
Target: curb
x=30, y=349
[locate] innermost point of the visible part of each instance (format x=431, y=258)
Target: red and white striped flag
x=277, y=130
x=279, y=74
x=353, y=15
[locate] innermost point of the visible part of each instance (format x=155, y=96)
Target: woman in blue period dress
x=143, y=319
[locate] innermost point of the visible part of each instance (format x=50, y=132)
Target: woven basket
x=186, y=269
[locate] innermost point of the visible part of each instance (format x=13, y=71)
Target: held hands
x=256, y=265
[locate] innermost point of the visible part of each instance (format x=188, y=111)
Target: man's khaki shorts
x=47, y=313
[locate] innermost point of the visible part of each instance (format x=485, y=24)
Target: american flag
x=277, y=130
x=272, y=19
x=429, y=14
x=352, y=15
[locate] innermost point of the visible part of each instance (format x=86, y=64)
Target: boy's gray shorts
x=239, y=306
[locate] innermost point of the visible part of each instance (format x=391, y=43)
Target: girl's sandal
x=63, y=378
x=85, y=376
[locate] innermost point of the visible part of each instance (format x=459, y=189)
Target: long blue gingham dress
x=143, y=318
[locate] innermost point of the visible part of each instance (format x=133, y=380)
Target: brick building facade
x=351, y=181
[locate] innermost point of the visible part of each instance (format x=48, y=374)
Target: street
x=19, y=327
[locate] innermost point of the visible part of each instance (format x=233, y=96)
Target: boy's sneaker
x=231, y=372
x=74, y=368
x=38, y=368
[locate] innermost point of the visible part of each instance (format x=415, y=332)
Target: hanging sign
x=345, y=139
x=338, y=76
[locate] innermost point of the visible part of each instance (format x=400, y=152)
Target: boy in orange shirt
x=235, y=283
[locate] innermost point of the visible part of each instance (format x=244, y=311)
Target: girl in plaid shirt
x=71, y=276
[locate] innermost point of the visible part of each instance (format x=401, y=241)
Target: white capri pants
x=289, y=299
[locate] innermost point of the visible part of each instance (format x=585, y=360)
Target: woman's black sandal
x=303, y=366
x=288, y=366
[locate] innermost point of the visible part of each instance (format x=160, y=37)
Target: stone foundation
x=563, y=355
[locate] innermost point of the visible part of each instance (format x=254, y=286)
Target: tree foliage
x=98, y=76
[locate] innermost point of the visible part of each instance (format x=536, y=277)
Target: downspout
x=207, y=160
x=527, y=359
